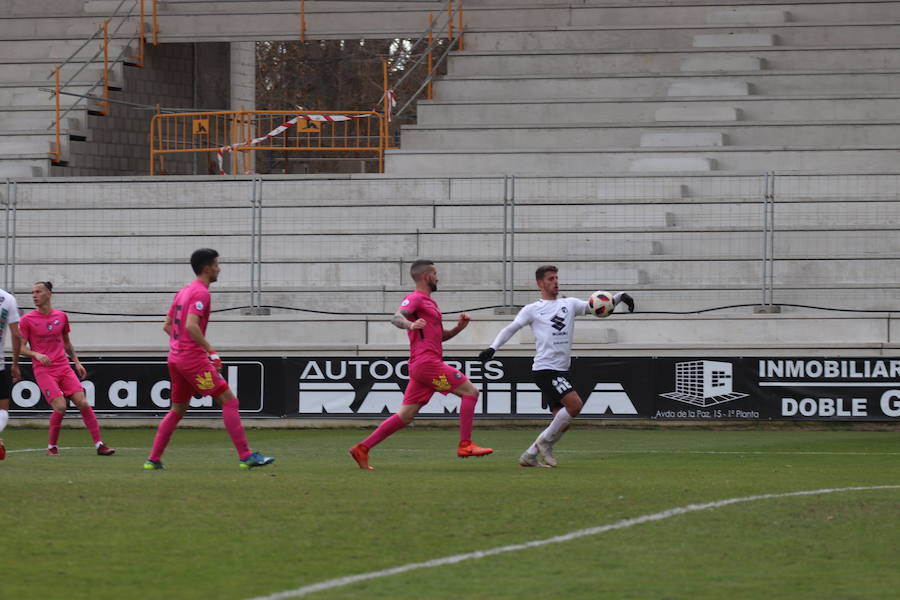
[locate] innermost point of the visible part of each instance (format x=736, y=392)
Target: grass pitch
x=84, y=526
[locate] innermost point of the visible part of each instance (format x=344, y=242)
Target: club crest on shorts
x=440, y=383
x=205, y=381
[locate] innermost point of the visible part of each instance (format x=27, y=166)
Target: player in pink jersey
x=46, y=333
x=194, y=367
x=428, y=373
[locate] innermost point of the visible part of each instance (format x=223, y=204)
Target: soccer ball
x=601, y=304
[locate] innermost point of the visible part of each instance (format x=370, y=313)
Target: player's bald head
x=419, y=268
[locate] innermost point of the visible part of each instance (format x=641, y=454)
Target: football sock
x=466, y=416
x=4, y=419
x=557, y=426
x=164, y=434
x=56, y=419
x=90, y=421
x=389, y=426
x=532, y=450
x=232, y=419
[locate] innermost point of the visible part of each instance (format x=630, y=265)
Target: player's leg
x=58, y=404
x=468, y=395
x=57, y=401
x=415, y=397
x=180, y=396
x=5, y=393
x=89, y=418
x=231, y=417
x=562, y=417
x=560, y=395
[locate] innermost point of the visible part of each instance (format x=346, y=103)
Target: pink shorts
x=57, y=381
x=194, y=376
x=427, y=378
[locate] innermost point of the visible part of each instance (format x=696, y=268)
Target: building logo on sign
x=703, y=383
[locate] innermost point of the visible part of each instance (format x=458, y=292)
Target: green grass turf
x=84, y=526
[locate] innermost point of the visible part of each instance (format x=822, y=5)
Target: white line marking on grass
x=44, y=449
x=574, y=535
x=754, y=452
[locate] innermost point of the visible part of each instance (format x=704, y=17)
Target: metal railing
x=239, y=133
x=103, y=36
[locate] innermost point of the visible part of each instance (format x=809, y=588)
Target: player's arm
x=70, y=352
x=26, y=351
x=193, y=329
x=461, y=324
x=167, y=327
x=402, y=319
x=16, y=351
x=522, y=319
x=624, y=297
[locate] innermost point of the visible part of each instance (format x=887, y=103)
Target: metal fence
x=343, y=246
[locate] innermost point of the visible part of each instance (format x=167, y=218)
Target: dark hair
x=542, y=270
x=204, y=257
x=46, y=284
x=418, y=267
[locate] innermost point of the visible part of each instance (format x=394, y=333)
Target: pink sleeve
x=410, y=304
x=66, y=328
x=198, y=303
x=24, y=328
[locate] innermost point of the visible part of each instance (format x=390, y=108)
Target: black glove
x=629, y=301
x=486, y=354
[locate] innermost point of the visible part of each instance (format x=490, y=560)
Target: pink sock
x=466, y=416
x=90, y=421
x=164, y=434
x=232, y=419
x=56, y=419
x=387, y=428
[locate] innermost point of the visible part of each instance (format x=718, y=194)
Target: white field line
x=623, y=524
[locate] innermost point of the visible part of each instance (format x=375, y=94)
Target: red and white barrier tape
x=390, y=100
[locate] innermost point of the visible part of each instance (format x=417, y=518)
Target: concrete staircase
x=35, y=37
x=603, y=87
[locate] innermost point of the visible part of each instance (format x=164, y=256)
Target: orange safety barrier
x=239, y=133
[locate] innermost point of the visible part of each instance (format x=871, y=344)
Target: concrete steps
x=847, y=106
x=587, y=161
x=731, y=60
x=572, y=136
x=668, y=37
x=670, y=85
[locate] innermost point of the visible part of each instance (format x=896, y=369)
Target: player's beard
x=432, y=285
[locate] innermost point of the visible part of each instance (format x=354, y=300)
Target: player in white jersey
x=552, y=321
x=9, y=317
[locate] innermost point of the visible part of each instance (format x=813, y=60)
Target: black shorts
x=5, y=384
x=553, y=385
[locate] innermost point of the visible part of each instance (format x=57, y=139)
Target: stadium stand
x=639, y=135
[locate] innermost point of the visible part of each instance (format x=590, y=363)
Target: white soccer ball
x=601, y=304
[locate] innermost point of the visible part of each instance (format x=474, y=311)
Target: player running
x=9, y=317
x=194, y=367
x=428, y=373
x=552, y=321
x=46, y=331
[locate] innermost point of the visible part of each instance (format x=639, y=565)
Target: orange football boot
x=361, y=455
x=468, y=448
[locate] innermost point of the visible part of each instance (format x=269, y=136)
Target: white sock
x=49, y=447
x=98, y=444
x=532, y=450
x=555, y=430
x=4, y=419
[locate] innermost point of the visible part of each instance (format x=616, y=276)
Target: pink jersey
x=44, y=333
x=425, y=344
x=191, y=299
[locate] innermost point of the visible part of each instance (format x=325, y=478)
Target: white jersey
x=9, y=313
x=552, y=322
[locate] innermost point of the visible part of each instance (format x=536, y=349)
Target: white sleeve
x=13, y=310
x=522, y=319
x=617, y=297
x=579, y=306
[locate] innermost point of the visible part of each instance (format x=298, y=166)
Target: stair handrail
x=103, y=30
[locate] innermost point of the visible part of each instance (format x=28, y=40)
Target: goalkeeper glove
x=216, y=361
x=486, y=354
x=629, y=301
